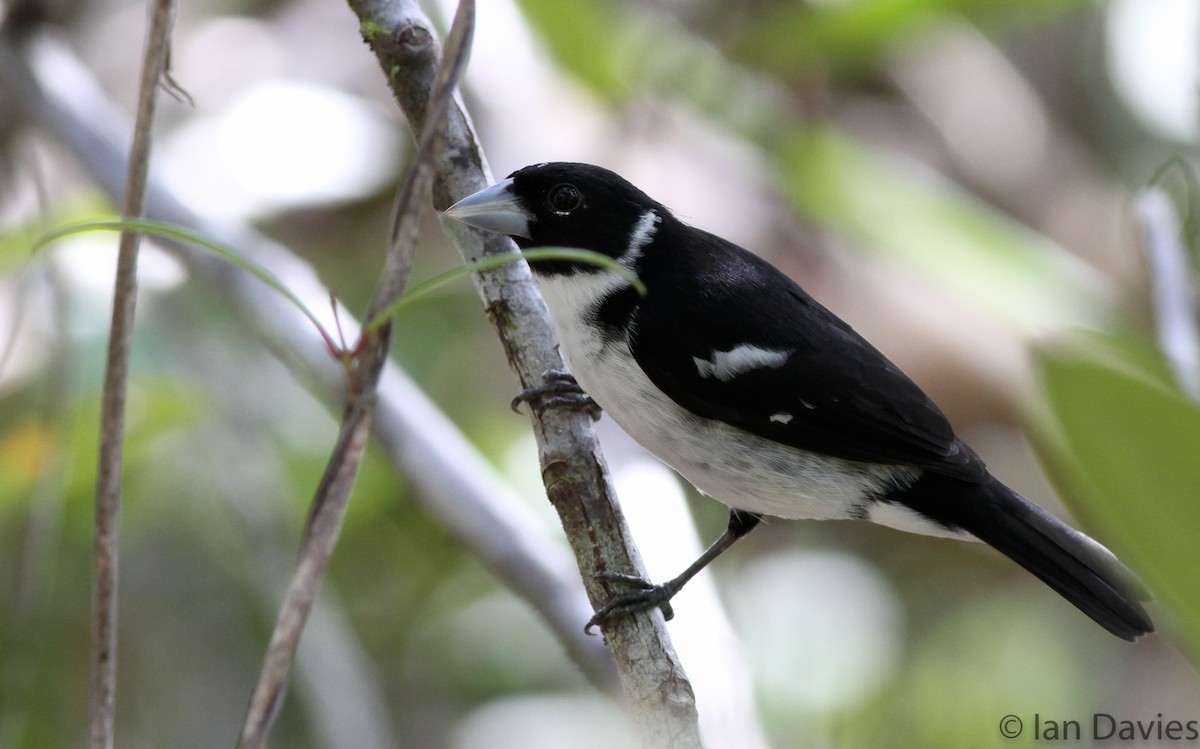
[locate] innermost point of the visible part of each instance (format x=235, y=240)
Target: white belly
x=738, y=468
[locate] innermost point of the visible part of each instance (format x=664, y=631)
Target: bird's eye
x=563, y=199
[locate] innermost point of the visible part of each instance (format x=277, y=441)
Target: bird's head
x=563, y=204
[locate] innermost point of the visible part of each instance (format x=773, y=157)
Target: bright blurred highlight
x=280, y=146
x=823, y=629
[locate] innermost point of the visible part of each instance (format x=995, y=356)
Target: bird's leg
x=646, y=595
x=558, y=389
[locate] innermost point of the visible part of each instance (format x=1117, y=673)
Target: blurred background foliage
x=951, y=176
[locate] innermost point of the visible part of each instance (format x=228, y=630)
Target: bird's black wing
x=833, y=393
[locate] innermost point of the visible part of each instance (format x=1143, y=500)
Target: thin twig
x=573, y=469
x=116, y=376
x=1172, y=290
x=332, y=497
x=320, y=537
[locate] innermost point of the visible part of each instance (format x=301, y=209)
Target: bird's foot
x=644, y=595
x=558, y=389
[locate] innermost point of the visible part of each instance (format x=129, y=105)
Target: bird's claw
x=558, y=389
x=644, y=596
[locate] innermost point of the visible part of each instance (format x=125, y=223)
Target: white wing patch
x=725, y=365
x=783, y=417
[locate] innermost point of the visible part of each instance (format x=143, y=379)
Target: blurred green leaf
x=941, y=702
x=621, y=51
x=1125, y=446
x=788, y=38
x=907, y=214
x=947, y=235
x=614, y=46
x=588, y=41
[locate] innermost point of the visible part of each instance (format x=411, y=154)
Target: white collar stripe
x=642, y=235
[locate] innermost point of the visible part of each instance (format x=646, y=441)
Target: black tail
x=1078, y=568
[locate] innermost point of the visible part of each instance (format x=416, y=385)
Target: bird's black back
x=845, y=398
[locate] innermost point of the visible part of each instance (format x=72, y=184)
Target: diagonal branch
x=573, y=468
x=116, y=378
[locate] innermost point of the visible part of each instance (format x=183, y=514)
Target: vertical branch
x=116, y=375
x=332, y=497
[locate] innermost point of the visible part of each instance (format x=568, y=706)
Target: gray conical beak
x=494, y=208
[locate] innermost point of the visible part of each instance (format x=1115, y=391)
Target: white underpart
x=734, y=466
x=725, y=365
x=901, y=518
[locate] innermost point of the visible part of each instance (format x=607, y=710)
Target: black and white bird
x=734, y=376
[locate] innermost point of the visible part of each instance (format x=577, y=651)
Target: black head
x=579, y=205
x=561, y=204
